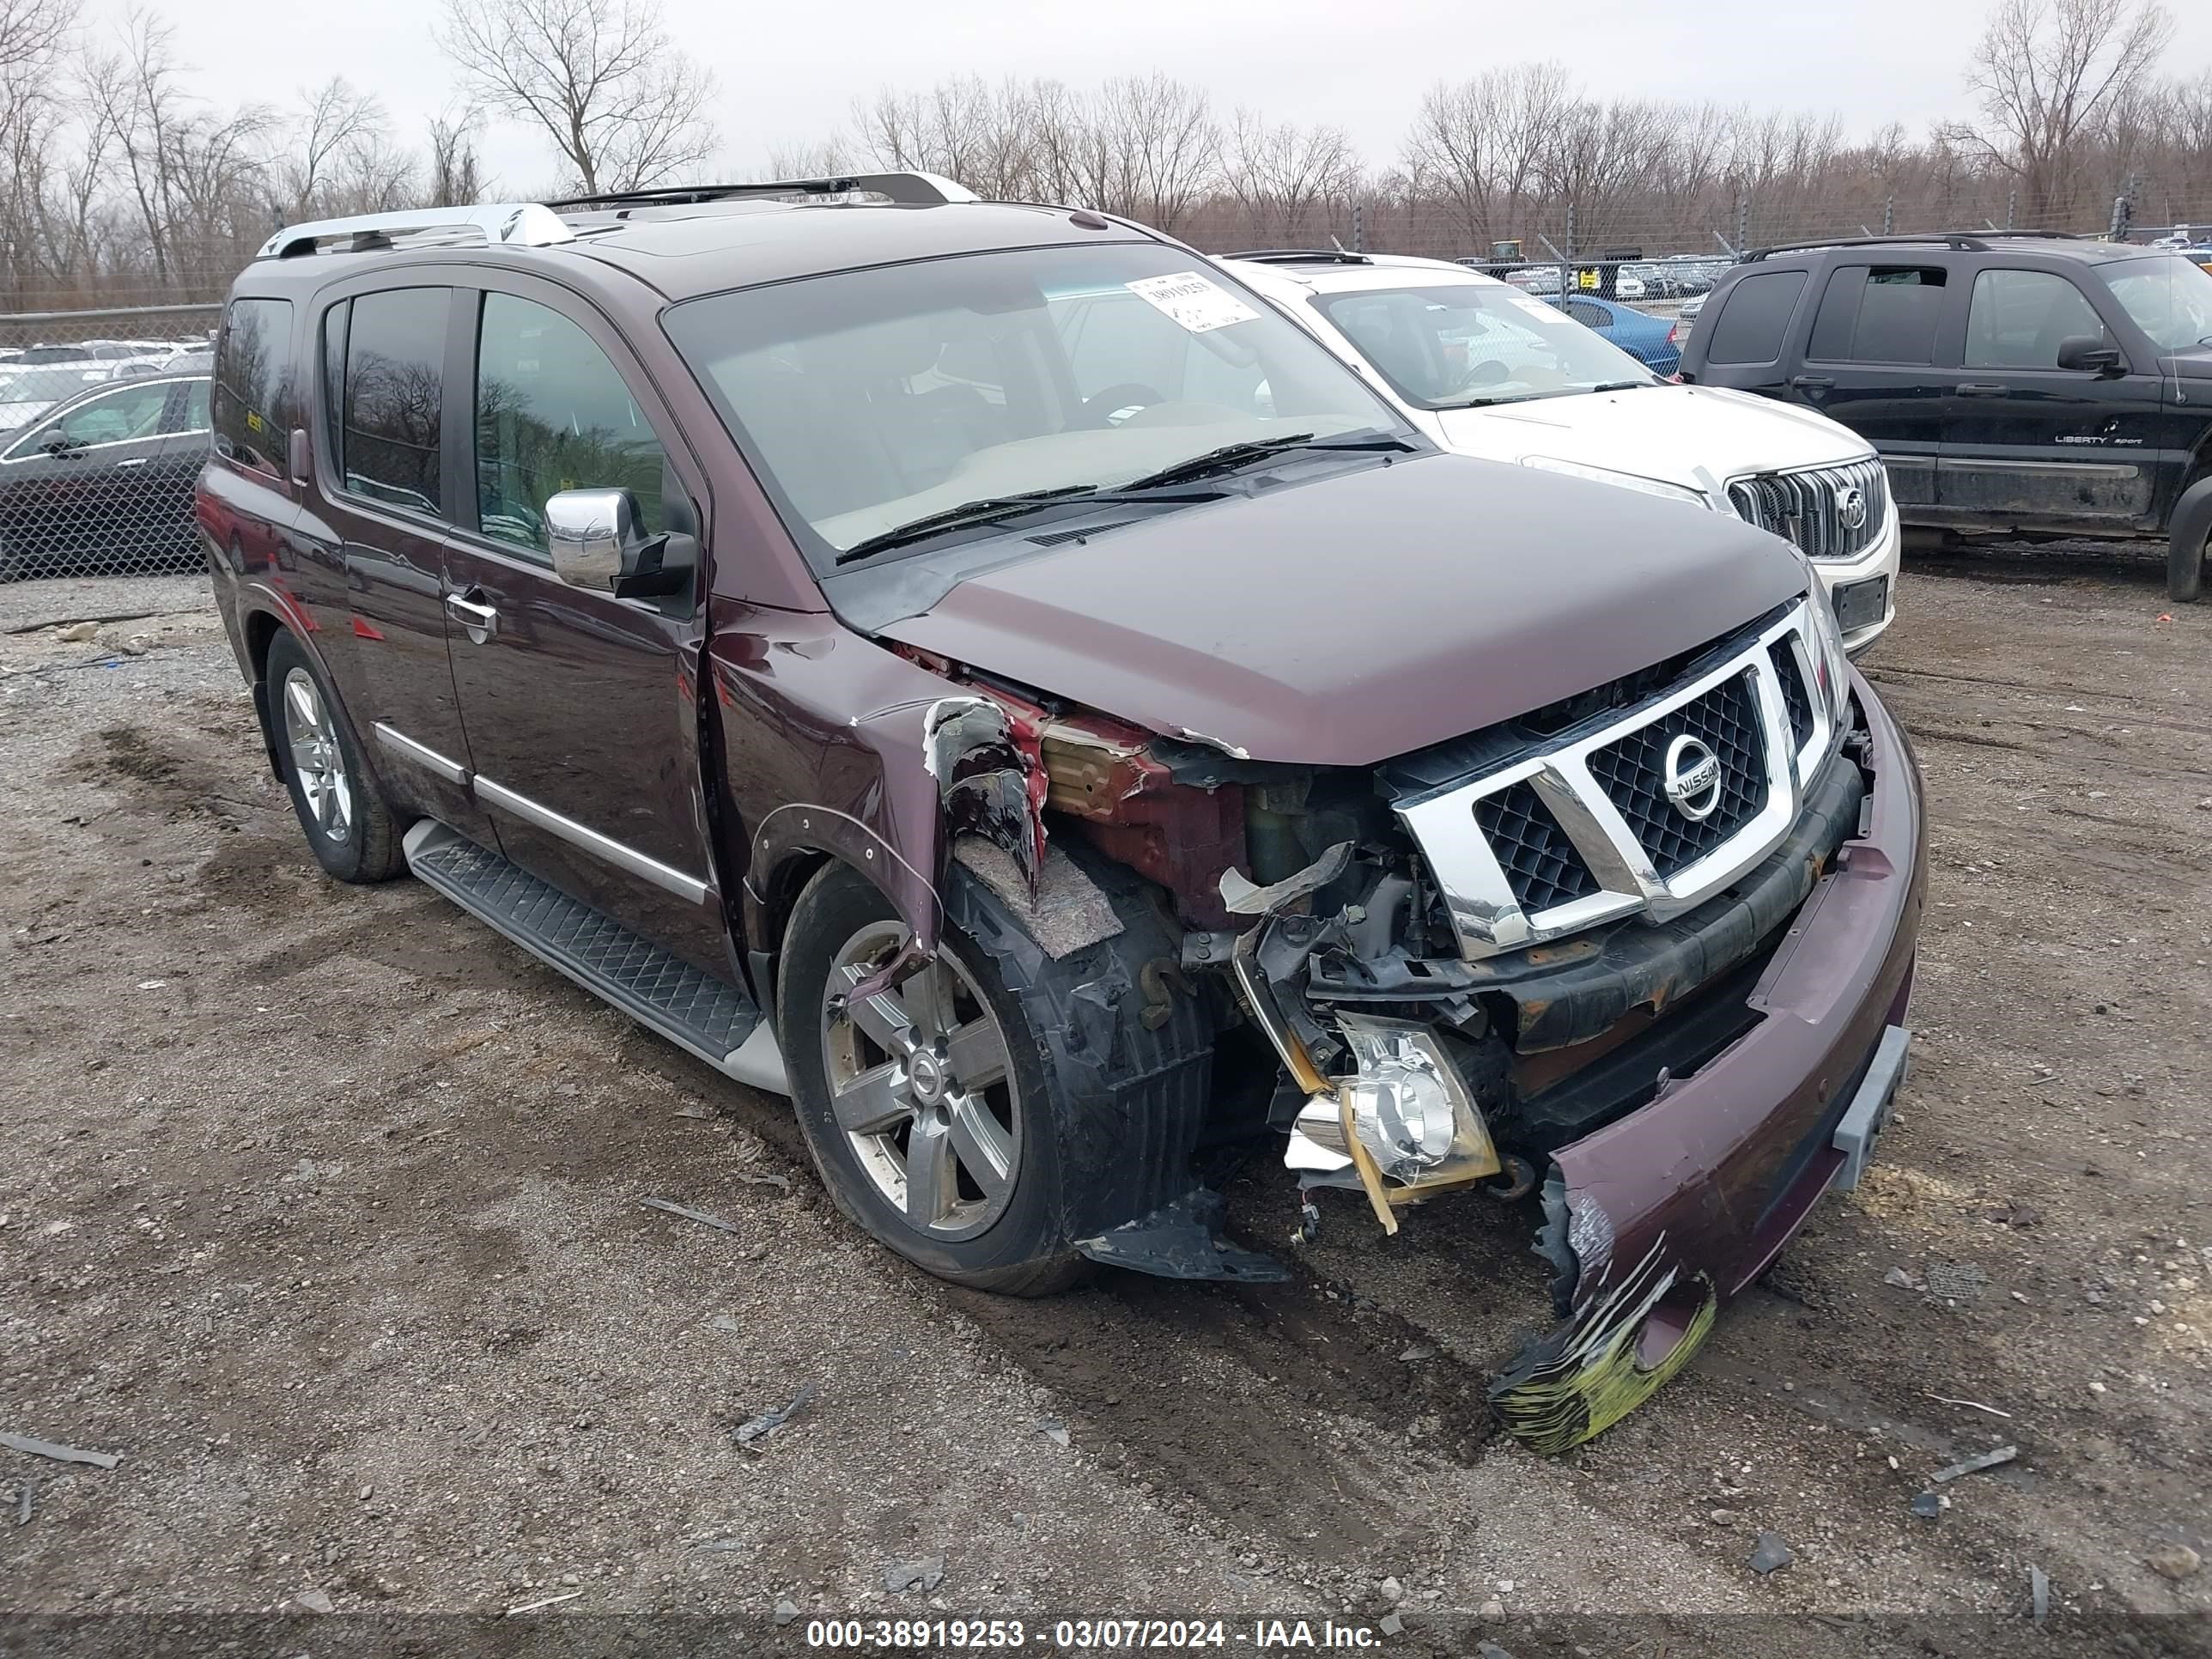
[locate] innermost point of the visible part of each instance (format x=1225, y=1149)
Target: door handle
x=1810, y=382
x=136, y=460
x=482, y=621
x=1981, y=389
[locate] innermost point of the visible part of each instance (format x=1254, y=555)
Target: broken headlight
x=1406, y=1105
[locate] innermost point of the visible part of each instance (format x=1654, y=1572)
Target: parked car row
x=104, y=480
x=1049, y=703
x=35, y=378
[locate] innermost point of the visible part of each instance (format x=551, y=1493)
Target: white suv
x=1488, y=370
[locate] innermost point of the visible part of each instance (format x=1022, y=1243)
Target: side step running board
x=708, y=1018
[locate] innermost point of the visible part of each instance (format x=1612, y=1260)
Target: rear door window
x=1879, y=314
x=254, y=384
x=1755, y=317
x=391, y=408
x=2018, y=318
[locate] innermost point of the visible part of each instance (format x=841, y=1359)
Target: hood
x=1668, y=432
x=1342, y=622
x=2195, y=365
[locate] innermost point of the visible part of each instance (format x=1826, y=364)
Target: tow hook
x=1517, y=1182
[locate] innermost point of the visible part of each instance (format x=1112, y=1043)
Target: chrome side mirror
x=591, y=532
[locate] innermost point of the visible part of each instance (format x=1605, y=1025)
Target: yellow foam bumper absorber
x=1582, y=1378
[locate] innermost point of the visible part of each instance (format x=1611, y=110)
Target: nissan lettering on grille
x=1693, y=778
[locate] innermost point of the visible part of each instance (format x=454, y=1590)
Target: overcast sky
x=789, y=74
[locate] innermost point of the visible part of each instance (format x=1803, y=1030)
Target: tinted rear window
x=1879, y=314
x=393, y=404
x=1754, y=316
x=254, y=384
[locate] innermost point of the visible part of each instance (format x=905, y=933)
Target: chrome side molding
x=421, y=754
x=621, y=855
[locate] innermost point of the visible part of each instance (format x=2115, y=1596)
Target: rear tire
x=349, y=825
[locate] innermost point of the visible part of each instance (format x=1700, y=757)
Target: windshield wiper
x=1230, y=457
x=1622, y=386
x=985, y=509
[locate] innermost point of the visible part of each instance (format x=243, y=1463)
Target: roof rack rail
x=1959, y=241
x=1301, y=256
x=911, y=189
x=539, y=224
x=514, y=224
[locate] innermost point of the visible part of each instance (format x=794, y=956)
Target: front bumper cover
x=1661, y=1216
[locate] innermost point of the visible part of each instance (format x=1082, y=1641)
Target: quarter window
x=393, y=417
x=195, y=418
x=552, y=414
x=1754, y=317
x=2018, y=319
x=254, y=384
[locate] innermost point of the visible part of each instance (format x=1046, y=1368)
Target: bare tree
x=1153, y=150
x=31, y=114
x=622, y=107
x=1480, y=145
x=1281, y=174
x=337, y=126
x=2052, y=76
x=456, y=175
x=195, y=176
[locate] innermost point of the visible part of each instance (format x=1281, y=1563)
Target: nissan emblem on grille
x=1693, y=778
x=1850, y=507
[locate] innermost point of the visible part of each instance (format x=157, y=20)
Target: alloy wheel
x=311, y=733
x=922, y=1087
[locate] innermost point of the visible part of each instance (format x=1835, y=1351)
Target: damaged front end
x=1640, y=958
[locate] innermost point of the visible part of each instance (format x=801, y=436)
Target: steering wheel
x=1122, y=399
x=1488, y=371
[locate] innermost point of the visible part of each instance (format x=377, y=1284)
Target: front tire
x=927, y=1109
x=2189, y=529
x=349, y=825
x=2184, y=569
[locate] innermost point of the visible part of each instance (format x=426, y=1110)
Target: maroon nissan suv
x=976, y=669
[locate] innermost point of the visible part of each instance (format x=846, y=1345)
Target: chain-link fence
x=103, y=425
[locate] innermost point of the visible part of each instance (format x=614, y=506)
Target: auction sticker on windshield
x=1189, y=299
x=1538, y=309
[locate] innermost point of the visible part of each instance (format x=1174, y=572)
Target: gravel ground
x=319, y=1208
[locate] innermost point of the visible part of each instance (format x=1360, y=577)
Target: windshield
x=1457, y=344
x=44, y=385
x=877, y=398
x=2170, y=300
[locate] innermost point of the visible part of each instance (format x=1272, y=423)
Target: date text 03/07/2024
x=1104, y=1635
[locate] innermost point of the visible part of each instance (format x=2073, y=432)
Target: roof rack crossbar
x=514, y=224
x=1959, y=241
x=912, y=189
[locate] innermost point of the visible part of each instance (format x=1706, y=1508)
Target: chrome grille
x=1581, y=830
x=1794, y=697
x=1538, y=859
x=1809, y=508
x=1633, y=772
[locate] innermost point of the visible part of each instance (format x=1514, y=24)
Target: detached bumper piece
x=1868, y=1112
x=1183, y=1239
x=1606, y=1360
